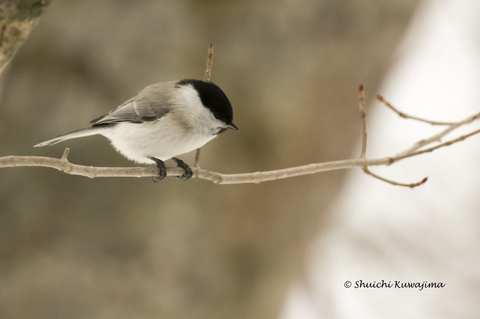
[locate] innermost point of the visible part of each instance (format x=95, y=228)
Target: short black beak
x=232, y=127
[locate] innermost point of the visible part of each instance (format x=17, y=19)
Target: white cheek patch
x=188, y=100
x=195, y=113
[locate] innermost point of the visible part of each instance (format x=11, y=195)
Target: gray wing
x=149, y=105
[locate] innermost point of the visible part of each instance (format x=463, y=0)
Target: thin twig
x=411, y=185
x=65, y=154
x=431, y=149
x=197, y=157
x=363, y=154
x=363, y=115
x=208, y=71
x=206, y=78
x=437, y=137
x=406, y=116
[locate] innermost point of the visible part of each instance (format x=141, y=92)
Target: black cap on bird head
x=214, y=99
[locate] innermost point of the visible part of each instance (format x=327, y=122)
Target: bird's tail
x=75, y=134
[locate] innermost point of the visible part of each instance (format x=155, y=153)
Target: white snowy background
x=431, y=233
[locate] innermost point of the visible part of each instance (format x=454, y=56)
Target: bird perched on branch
x=162, y=121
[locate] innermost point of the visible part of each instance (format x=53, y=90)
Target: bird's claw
x=162, y=169
x=188, y=171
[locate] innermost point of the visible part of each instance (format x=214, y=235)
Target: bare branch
x=208, y=71
x=92, y=172
x=431, y=149
x=383, y=179
x=406, y=116
x=197, y=157
x=437, y=137
x=363, y=115
x=65, y=154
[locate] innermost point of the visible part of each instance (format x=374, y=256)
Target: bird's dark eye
x=217, y=116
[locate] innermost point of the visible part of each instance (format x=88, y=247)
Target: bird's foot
x=188, y=171
x=162, y=169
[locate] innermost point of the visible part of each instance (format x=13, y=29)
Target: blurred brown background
x=71, y=247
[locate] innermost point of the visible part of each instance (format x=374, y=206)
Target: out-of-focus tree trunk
x=128, y=248
x=17, y=20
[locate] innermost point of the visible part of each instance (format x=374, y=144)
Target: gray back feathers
x=149, y=105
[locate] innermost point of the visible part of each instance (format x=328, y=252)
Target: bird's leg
x=162, y=169
x=188, y=171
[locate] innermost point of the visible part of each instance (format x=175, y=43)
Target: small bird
x=164, y=120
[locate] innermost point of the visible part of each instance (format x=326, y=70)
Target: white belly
x=158, y=139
